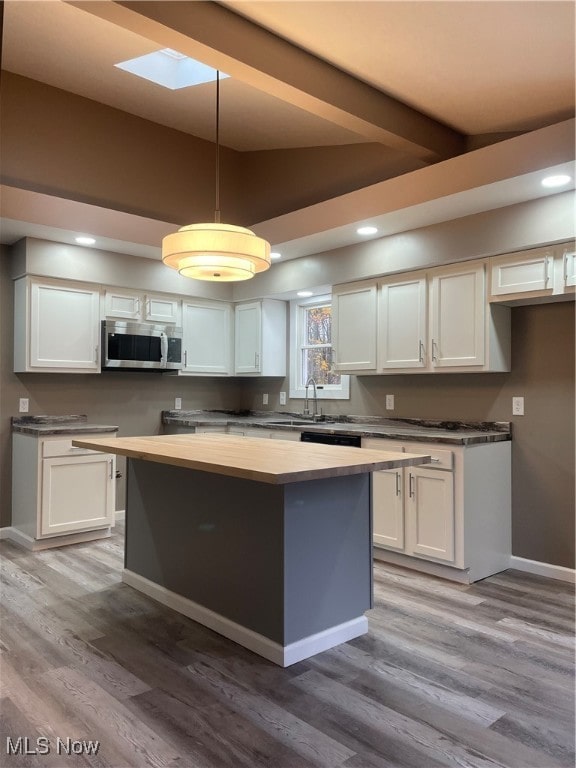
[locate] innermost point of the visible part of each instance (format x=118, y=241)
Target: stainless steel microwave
x=140, y=346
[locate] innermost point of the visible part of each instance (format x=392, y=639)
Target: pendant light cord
x=217, y=209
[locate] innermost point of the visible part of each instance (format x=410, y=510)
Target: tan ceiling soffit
x=521, y=155
x=222, y=39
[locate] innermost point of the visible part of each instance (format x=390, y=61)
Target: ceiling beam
x=224, y=40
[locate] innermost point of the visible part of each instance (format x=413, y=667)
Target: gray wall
x=133, y=401
x=543, y=440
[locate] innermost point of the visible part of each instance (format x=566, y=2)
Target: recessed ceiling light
x=170, y=69
x=556, y=181
x=367, y=230
x=305, y=294
x=85, y=240
x=275, y=255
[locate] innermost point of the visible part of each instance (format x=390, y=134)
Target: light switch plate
x=518, y=406
x=177, y=403
x=264, y=399
x=23, y=405
x=389, y=402
x=282, y=398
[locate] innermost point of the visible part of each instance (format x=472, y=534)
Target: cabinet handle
x=397, y=483
x=411, y=486
x=434, y=461
x=96, y=353
x=138, y=305
x=256, y=360
x=185, y=358
x=420, y=351
x=434, y=351
x=111, y=469
x=546, y=275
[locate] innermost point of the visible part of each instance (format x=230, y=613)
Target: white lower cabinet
x=59, y=491
x=430, y=513
x=388, y=507
x=452, y=516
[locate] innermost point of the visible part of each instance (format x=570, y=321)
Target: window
x=311, y=350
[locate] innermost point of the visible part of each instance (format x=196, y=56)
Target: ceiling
x=420, y=77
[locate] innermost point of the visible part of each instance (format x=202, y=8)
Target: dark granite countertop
x=413, y=430
x=44, y=426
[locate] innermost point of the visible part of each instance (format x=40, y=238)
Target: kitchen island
x=264, y=541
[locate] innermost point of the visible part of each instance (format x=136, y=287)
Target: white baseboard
x=543, y=569
x=284, y=656
x=37, y=545
x=120, y=514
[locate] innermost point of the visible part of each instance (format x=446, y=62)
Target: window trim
x=297, y=391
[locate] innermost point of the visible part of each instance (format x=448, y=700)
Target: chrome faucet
x=312, y=381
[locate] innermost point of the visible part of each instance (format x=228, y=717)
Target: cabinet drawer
x=441, y=458
x=378, y=444
x=63, y=447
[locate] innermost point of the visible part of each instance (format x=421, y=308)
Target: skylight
x=170, y=69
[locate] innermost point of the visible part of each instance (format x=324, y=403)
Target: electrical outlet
x=23, y=405
x=389, y=402
x=282, y=398
x=264, y=399
x=517, y=406
x=177, y=403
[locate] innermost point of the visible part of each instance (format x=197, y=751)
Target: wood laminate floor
x=475, y=676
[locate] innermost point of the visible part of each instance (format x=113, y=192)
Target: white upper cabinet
x=56, y=327
x=152, y=308
x=260, y=338
x=207, y=338
x=522, y=272
x=533, y=276
x=354, y=318
x=457, y=311
x=568, y=262
x=402, y=322
x=438, y=321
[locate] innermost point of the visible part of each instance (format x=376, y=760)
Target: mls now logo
x=23, y=745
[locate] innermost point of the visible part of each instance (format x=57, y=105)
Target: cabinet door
x=402, y=324
x=158, y=309
x=430, y=513
x=521, y=272
x=126, y=306
x=280, y=434
x=64, y=325
x=248, y=338
x=207, y=337
x=569, y=266
x=354, y=327
x=458, y=317
x=388, y=508
x=77, y=493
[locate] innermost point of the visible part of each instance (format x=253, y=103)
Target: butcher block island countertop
x=252, y=458
x=267, y=542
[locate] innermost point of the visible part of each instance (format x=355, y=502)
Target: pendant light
x=216, y=251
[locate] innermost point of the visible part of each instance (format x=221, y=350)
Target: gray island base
x=278, y=564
